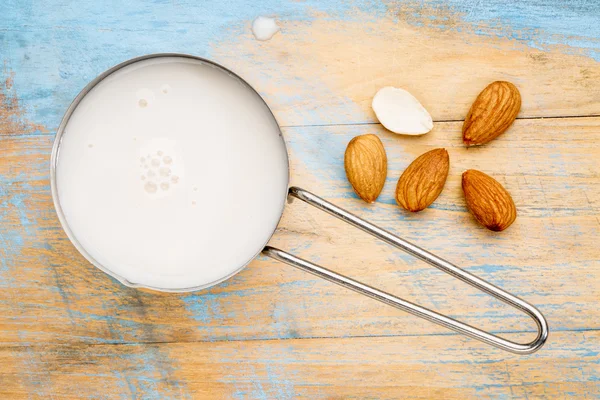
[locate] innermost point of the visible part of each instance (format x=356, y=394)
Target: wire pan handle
x=405, y=305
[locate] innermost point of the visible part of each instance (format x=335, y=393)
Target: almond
x=366, y=166
x=423, y=180
x=488, y=201
x=492, y=113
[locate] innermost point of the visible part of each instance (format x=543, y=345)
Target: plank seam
x=158, y=342
x=52, y=133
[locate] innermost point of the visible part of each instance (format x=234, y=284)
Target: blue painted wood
x=51, y=49
x=539, y=24
x=56, y=47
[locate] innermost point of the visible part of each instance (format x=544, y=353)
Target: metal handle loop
x=407, y=306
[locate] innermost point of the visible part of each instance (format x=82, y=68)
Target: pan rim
x=56, y=150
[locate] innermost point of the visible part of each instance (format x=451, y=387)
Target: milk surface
x=171, y=173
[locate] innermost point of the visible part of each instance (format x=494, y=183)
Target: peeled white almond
x=400, y=112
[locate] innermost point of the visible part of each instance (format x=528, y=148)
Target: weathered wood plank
x=322, y=68
x=550, y=256
x=357, y=368
x=327, y=71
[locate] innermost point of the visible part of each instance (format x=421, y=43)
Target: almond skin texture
x=423, y=180
x=366, y=166
x=492, y=113
x=488, y=201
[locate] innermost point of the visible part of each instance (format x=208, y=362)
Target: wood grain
x=334, y=68
x=69, y=331
x=320, y=69
x=358, y=368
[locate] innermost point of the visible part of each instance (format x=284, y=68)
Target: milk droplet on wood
x=264, y=28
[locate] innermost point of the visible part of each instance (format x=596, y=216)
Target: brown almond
x=492, y=113
x=366, y=166
x=423, y=180
x=488, y=201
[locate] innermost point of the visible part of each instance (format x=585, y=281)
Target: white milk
x=171, y=173
x=264, y=28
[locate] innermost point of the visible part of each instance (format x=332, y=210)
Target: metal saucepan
x=312, y=199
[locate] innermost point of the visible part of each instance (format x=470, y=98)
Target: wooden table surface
x=69, y=331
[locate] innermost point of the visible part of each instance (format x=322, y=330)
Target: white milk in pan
x=171, y=173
